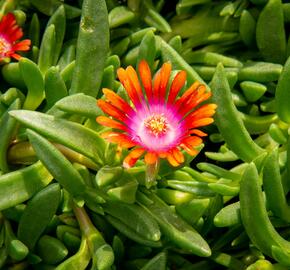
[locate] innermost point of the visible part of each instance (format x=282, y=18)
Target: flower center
x=5, y=46
x=156, y=124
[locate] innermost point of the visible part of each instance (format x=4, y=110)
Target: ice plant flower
x=10, y=33
x=156, y=123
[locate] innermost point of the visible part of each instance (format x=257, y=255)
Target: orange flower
x=158, y=124
x=10, y=33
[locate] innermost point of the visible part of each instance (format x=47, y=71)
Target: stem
x=83, y=219
x=151, y=174
x=89, y=231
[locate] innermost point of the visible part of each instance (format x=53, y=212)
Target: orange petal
x=204, y=111
x=137, y=152
x=190, y=150
x=111, y=110
x=131, y=92
x=108, y=122
x=156, y=85
x=145, y=75
x=123, y=77
x=117, y=101
x=15, y=56
x=133, y=77
x=187, y=94
x=132, y=157
x=196, y=98
x=192, y=141
x=23, y=45
x=164, y=78
x=201, y=97
x=150, y=158
x=177, y=83
x=204, y=114
x=191, y=121
x=162, y=154
x=171, y=159
x=198, y=132
x=204, y=108
x=178, y=155
x=118, y=138
x=201, y=122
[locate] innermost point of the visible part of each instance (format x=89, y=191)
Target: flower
x=156, y=124
x=10, y=33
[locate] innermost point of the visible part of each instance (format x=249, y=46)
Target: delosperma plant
x=159, y=124
x=144, y=134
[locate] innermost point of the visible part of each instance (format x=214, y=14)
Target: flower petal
x=150, y=158
x=15, y=56
x=118, y=138
x=172, y=160
x=133, y=77
x=10, y=33
x=200, y=98
x=188, y=149
x=198, y=132
x=207, y=109
x=14, y=34
x=201, y=122
x=192, y=141
x=195, y=99
x=146, y=78
x=23, y=45
x=131, y=159
x=177, y=83
x=156, y=85
x=110, y=109
x=187, y=94
x=108, y=122
x=162, y=154
x=7, y=22
x=117, y=101
x=164, y=78
x=123, y=77
x=178, y=155
x=204, y=111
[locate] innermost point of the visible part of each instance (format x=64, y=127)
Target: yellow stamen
x=157, y=124
x=4, y=47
